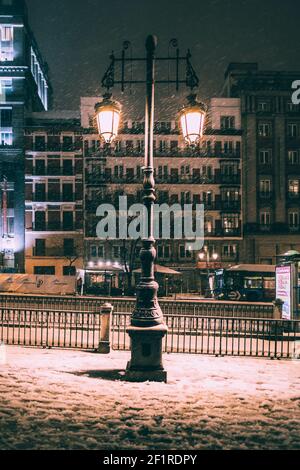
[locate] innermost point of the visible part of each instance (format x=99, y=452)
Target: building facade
x=208, y=175
x=271, y=160
x=24, y=87
x=54, y=194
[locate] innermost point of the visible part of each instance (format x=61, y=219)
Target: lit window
x=294, y=220
x=6, y=43
x=264, y=129
x=265, y=188
x=294, y=188
x=6, y=138
x=265, y=218
x=293, y=157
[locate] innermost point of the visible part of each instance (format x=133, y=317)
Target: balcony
x=55, y=148
x=176, y=152
x=54, y=252
x=54, y=227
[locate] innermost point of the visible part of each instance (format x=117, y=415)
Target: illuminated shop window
x=6, y=43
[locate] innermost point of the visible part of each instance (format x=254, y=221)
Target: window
x=67, y=143
x=40, y=221
x=265, y=187
x=6, y=43
x=264, y=129
x=265, y=156
x=40, y=167
x=263, y=106
x=101, y=251
x=40, y=143
x=5, y=117
x=184, y=253
x=174, y=145
x=44, y=270
x=293, y=188
x=6, y=85
x=69, y=248
x=93, y=251
x=230, y=222
x=227, y=122
x=229, y=251
x=40, y=247
x=68, y=223
x=53, y=190
x=54, y=220
x=67, y=167
x=265, y=218
x=54, y=165
x=293, y=130
x=40, y=192
x=294, y=220
x=69, y=271
x=6, y=138
x=293, y=157
x=116, y=252
x=68, y=193
x=163, y=252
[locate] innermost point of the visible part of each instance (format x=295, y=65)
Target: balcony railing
x=55, y=148
x=57, y=198
x=54, y=228
x=96, y=179
x=176, y=152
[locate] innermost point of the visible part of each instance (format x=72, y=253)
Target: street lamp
x=192, y=119
x=205, y=255
x=147, y=324
x=107, y=115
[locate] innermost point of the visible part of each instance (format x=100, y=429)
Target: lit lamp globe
x=192, y=120
x=107, y=115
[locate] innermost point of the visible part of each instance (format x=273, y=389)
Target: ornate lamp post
x=147, y=324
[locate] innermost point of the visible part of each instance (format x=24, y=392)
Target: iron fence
x=53, y=329
x=170, y=307
x=219, y=336
x=189, y=334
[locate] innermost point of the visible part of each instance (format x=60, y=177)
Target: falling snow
x=51, y=399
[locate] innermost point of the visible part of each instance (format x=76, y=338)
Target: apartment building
x=209, y=174
x=24, y=87
x=54, y=194
x=271, y=160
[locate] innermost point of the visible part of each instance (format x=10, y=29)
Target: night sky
x=77, y=36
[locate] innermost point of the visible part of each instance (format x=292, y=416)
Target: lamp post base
x=146, y=354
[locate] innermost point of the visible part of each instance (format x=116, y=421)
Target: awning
x=162, y=270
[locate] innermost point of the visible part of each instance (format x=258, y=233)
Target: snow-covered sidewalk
x=53, y=399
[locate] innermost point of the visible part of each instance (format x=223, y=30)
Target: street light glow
x=108, y=118
x=192, y=119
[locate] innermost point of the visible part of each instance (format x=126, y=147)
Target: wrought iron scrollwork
x=108, y=80
x=192, y=79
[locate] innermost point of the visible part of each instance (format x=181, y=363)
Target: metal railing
x=219, y=336
x=53, y=329
x=187, y=334
x=208, y=308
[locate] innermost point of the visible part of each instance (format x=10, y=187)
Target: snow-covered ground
x=53, y=399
